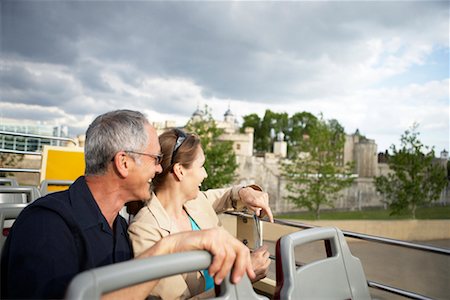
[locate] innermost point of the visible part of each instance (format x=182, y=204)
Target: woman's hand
x=229, y=254
x=260, y=262
x=256, y=201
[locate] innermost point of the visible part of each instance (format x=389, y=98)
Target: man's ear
x=121, y=163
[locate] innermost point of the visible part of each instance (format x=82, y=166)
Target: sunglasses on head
x=181, y=137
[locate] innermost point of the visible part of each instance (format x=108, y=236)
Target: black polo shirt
x=57, y=237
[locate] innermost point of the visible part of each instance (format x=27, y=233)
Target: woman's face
x=194, y=175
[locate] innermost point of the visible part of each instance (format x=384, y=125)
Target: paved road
x=417, y=271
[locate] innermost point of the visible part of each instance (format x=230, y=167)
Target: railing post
x=245, y=231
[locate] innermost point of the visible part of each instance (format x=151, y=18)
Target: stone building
x=265, y=170
x=363, y=152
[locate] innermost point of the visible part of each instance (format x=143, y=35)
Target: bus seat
x=18, y=194
x=8, y=212
x=93, y=283
x=338, y=276
x=44, y=187
x=8, y=181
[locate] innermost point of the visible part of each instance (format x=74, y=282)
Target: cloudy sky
x=376, y=66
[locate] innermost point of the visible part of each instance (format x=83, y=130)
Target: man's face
x=145, y=167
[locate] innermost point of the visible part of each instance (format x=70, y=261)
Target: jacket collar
x=197, y=212
x=159, y=213
x=192, y=207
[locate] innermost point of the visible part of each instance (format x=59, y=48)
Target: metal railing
x=29, y=135
x=370, y=238
x=38, y=136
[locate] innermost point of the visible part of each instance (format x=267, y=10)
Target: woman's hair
x=110, y=133
x=184, y=153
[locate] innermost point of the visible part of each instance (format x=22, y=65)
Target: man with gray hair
x=64, y=233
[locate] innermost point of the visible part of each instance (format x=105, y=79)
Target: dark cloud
x=89, y=74
x=30, y=112
x=86, y=57
x=41, y=31
x=255, y=50
x=20, y=84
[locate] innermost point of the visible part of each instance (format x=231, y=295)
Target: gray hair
x=110, y=133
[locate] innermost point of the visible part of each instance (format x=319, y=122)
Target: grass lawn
x=423, y=213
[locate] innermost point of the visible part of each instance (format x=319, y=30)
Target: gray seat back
x=18, y=194
x=8, y=211
x=49, y=182
x=8, y=181
x=93, y=283
x=339, y=276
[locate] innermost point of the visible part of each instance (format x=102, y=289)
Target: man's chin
x=147, y=197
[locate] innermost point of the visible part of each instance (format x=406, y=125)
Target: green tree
x=266, y=128
x=252, y=120
x=271, y=124
x=415, y=179
x=220, y=161
x=316, y=173
x=299, y=125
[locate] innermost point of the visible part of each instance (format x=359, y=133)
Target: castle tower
x=366, y=158
x=444, y=154
x=230, y=124
x=280, y=146
x=229, y=116
x=197, y=115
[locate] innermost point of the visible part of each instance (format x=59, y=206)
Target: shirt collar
x=85, y=207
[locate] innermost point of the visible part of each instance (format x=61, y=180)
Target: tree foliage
x=316, y=173
x=300, y=124
x=293, y=127
x=415, y=178
x=220, y=158
x=266, y=128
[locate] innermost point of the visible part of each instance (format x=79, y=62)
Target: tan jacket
x=152, y=223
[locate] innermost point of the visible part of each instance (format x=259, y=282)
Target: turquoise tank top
x=209, y=281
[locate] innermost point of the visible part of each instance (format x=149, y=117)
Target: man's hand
x=228, y=252
x=260, y=262
x=256, y=201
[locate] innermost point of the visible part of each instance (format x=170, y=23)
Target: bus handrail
x=17, y=170
x=47, y=137
x=366, y=237
x=360, y=236
x=397, y=291
x=37, y=153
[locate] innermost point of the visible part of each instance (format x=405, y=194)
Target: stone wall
x=407, y=230
x=265, y=172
